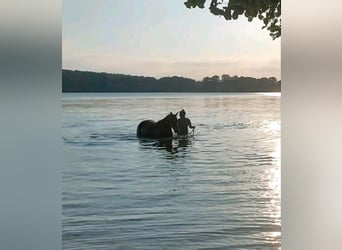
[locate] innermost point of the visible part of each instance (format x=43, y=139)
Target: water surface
x=218, y=190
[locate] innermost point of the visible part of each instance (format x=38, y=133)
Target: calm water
x=217, y=190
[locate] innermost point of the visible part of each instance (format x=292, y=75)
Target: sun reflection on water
x=274, y=191
x=274, y=126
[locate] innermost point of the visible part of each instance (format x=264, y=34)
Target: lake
x=219, y=189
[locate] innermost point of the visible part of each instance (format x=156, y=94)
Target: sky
x=161, y=38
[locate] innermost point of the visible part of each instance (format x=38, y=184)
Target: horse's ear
x=176, y=113
x=170, y=113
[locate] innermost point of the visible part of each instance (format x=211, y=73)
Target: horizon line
x=98, y=72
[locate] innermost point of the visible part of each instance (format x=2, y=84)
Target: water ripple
x=217, y=190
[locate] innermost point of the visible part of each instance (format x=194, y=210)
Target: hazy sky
x=163, y=38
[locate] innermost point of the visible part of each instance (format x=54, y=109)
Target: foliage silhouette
x=85, y=81
x=268, y=11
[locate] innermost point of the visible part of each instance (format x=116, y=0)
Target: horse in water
x=159, y=129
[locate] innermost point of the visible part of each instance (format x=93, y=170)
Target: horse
x=159, y=129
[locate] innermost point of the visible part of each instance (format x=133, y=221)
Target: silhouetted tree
x=225, y=78
x=268, y=11
x=84, y=81
x=273, y=79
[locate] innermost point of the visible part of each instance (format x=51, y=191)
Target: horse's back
x=145, y=129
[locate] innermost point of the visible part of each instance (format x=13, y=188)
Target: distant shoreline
x=75, y=81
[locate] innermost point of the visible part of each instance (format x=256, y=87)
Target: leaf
x=227, y=15
x=188, y=5
x=201, y=3
x=235, y=15
x=192, y=3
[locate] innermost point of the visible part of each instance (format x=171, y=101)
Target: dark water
x=217, y=190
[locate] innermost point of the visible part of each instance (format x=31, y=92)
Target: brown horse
x=160, y=129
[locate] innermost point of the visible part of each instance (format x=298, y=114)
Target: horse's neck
x=163, y=122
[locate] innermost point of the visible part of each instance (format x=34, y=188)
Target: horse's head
x=173, y=121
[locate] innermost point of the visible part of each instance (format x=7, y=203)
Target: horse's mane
x=162, y=120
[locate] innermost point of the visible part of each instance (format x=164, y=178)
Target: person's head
x=182, y=113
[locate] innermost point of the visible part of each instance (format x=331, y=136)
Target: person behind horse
x=183, y=123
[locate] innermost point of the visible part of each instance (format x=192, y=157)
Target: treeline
x=85, y=81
